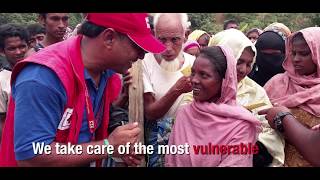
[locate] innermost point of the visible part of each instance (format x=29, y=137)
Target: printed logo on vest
x=65, y=123
x=91, y=124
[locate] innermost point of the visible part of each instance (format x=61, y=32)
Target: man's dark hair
x=253, y=30
x=90, y=29
x=12, y=30
x=298, y=36
x=215, y=55
x=35, y=29
x=44, y=15
x=231, y=21
x=151, y=22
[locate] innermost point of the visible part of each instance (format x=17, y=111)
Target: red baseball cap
x=134, y=25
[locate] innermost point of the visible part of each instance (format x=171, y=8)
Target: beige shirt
x=5, y=89
x=249, y=93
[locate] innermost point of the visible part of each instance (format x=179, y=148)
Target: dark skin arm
x=120, y=136
x=2, y=117
x=307, y=141
x=124, y=95
x=156, y=109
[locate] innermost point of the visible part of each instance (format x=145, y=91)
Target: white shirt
x=5, y=89
x=158, y=81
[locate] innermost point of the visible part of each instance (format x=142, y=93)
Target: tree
x=30, y=18
x=210, y=22
x=213, y=22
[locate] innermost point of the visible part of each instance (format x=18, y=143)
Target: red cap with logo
x=134, y=25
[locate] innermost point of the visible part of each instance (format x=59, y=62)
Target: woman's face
x=204, y=40
x=206, y=82
x=253, y=36
x=244, y=63
x=302, y=57
x=195, y=50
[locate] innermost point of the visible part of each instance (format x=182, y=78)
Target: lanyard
x=92, y=122
x=90, y=115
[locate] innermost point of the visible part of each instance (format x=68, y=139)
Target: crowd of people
x=259, y=87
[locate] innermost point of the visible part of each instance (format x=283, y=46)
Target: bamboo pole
x=136, y=113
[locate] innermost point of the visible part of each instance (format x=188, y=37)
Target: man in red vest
x=61, y=95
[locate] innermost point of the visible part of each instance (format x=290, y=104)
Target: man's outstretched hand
x=272, y=112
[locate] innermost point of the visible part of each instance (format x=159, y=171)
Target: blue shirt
x=39, y=105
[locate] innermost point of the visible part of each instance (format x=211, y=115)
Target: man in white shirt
x=165, y=86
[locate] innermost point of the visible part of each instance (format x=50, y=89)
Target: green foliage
x=210, y=22
x=30, y=18
x=213, y=22
x=75, y=18
x=18, y=18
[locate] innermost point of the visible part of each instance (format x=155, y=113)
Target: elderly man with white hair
x=165, y=85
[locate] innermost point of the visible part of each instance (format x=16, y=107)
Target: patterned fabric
x=158, y=134
x=164, y=131
x=292, y=156
x=279, y=28
x=151, y=130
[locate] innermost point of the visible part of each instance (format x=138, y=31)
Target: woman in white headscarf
x=251, y=95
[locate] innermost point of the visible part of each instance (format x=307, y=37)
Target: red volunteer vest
x=65, y=60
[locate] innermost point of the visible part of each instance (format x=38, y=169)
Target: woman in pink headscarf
x=299, y=87
x=191, y=47
x=213, y=118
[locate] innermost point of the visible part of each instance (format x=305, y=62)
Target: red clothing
x=65, y=60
